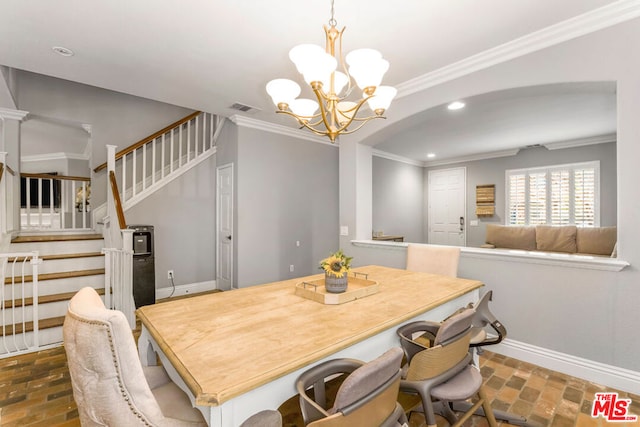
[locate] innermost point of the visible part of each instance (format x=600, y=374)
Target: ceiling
x=207, y=55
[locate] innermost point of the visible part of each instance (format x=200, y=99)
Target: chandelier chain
x=332, y=21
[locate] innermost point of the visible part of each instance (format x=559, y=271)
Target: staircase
x=65, y=263
x=69, y=263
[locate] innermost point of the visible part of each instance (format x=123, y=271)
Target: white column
x=10, y=144
x=355, y=192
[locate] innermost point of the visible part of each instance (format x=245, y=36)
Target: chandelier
x=319, y=68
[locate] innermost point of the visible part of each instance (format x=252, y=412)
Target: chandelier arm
x=354, y=114
x=297, y=117
x=305, y=124
x=347, y=132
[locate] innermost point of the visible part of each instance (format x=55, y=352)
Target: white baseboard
x=596, y=372
x=192, y=288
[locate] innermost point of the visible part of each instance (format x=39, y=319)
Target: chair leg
x=429, y=414
x=488, y=411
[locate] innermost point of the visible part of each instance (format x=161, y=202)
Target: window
x=554, y=195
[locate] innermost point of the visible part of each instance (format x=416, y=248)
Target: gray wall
x=115, y=118
x=492, y=171
x=581, y=312
x=183, y=215
x=183, y=212
x=287, y=191
x=400, y=190
x=398, y=199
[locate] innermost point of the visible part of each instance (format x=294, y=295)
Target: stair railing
x=133, y=174
x=149, y=163
x=55, y=202
x=118, y=251
x=19, y=325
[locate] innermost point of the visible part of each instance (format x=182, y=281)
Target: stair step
x=56, y=238
x=61, y=275
x=43, y=299
x=51, y=322
x=62, y=256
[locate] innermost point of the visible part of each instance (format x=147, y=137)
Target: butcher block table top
x=225, y=344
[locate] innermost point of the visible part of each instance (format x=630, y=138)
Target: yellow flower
x=336, y=264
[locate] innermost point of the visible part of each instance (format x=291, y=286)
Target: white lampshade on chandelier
x=319, y=68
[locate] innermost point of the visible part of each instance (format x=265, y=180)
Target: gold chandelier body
x=333, y=114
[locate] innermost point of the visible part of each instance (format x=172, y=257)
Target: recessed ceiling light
x=456, y=105
x=62, y=51
x=431, y=155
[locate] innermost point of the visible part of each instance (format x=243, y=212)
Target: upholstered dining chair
x=367, y=397
x=435, y=259
x=441, y=371
x=109, y=383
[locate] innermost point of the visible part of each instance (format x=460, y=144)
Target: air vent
x=244, y=108
x=534, y=146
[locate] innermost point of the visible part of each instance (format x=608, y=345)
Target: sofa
x=599, y=241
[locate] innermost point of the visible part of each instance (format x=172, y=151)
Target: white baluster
x=39, y=202
x=195, y=137
x=189, y=142
x=204, y=132
x=134, y=175
x=51, y=198
x=124, y=178
x=153, y=161
x=73, y=211
x=180, y=147
x=144, y=167
x=171, y=156
x=162, y=157
x=35, y=261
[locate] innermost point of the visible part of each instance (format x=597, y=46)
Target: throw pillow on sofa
x=596, y=240
x=556, y=239
x=502, y=236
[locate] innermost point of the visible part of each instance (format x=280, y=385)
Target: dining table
x=240, y=351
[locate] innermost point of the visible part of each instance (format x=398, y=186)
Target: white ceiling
x=207, y=55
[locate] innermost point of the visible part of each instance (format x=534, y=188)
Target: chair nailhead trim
x=123, y=390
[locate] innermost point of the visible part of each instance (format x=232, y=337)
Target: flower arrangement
x=337, y=264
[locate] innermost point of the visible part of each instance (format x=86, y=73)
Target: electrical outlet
x=170, y=274
x=291, y=268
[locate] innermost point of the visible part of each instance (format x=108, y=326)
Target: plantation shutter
x=517, y=200
x=584, y=182
x=560, y=197
x=537, y=198
x=554, y=195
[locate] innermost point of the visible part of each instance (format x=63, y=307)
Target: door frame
x=464, y=202
x=217, y=236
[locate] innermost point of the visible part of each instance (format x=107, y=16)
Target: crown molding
x=53, y=156
x=6, y=113
x=395, y=157
x=580, y=142
x=252, y=123
x=473, y=157
x=589, y=22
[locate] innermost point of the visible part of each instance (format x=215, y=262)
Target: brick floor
x=35, y=390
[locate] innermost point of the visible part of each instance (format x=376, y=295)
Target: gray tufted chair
x=110, y=386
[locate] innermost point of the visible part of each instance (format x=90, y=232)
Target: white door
x=224, y=221
x=447, y=207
